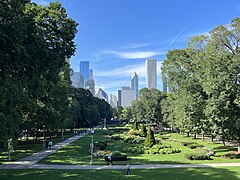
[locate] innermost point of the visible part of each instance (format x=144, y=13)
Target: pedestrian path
x=36, y=157
x=115, y=167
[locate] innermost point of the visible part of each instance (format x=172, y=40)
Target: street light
x=43, y=134
x=92, y=146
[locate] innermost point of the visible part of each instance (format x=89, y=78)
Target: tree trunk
x=36, y=136
x=195, y=136
x=187, y=134
x=223, y=141
x=202, y=136
x=238, y=146
x=212, y=138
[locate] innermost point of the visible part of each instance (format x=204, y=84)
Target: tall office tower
x=134, y=85
x=127, y=96
x=113, y=100
x=151, y=76
x=90, y=84
x=75, y=78
x=164, y=86
x=84, y=70
x=119, y=102
x=102, y=95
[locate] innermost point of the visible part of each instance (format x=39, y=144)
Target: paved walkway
x=102, y=167
x=29, y=162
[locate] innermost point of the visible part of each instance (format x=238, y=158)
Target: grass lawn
x=223, y=173
x=25, y=148
x=78, y=152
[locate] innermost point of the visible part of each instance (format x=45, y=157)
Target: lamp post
x=43, y=134
x=92, y=146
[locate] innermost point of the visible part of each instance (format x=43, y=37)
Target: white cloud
x=134, y=45
x=127, y=71
x=133, y=55
x=41, y=2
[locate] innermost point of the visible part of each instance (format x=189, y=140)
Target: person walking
x=128, y=169
x=109, y=159
x=50, y=144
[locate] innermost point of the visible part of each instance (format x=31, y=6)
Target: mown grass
x=78, y=152
x=27, y=147
x=208, y=173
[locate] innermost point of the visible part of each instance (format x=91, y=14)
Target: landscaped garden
x=130, y=146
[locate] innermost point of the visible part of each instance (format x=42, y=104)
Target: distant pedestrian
x=50, y=144
x=46, y=144
x=128, y=169
x=109, y=159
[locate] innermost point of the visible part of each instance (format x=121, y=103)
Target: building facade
x=102, y=95
x=119, y=102
x=90, y=84
x=151, y=76
x=127, y=96
x=113, y=100
x=84, y=71
x=75, y=78
x=134, y=85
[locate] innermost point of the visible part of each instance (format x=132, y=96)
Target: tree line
x=205, y=84
x=204, y=81
x=35, y=85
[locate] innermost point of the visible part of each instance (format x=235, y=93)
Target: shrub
x=100, y=145
x=102, y=153
x=196, y=156
x=117, y=137
x=133, y=132
x=162, y=149
x=192, y=145
x=134, y=150
x=150, y=140
x=143, y=131
x=232, y=156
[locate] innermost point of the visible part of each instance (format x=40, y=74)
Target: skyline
x=117, y=37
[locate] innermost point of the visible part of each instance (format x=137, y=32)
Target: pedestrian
x=50, y=144
x=109, y=159
x=46, y=144
x=128, y=169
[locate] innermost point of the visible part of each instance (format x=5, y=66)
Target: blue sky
x=117, y=36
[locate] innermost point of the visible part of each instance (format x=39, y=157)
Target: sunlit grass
x=208, y=173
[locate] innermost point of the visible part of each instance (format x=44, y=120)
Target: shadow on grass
x=139, y=174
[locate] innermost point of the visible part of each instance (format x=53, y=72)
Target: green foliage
x=162, y=149
x=135, y=125
x=148, y=107
x=35, y=77
x=143, y=131
x=204, y=82
x=150, y=140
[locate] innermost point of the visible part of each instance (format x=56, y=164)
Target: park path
x=29, y=161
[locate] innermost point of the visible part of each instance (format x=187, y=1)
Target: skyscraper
x=127, y=96
x=102, y=95
x=75, y=78
x=119, y=102
x=134, y=85
x=84, y=71
x=113, y=100
x=151, y=76
x=90, y=84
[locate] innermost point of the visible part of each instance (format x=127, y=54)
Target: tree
x=150, y=140
x=143, y=131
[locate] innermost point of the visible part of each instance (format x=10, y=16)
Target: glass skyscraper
x=84, y=71
x=151, y=78
x=134, y=85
